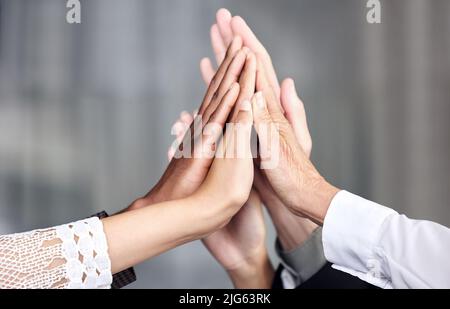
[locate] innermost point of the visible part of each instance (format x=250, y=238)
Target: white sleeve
x=384, y=248
x=73, y=255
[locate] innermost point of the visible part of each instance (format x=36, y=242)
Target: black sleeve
x=326, y=278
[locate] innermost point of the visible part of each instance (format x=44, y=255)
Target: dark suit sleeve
x=124, y=277
x=326, y=278
x=305, y=267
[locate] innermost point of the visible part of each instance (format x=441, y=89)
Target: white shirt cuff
x=350, y=234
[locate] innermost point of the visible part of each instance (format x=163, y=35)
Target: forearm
x=135, y=236
x=292, y=231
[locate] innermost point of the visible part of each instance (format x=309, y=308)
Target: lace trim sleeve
x=73, y=255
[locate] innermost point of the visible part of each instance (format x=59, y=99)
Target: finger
x=264, y=125
x=223, y=18
x=218, y=45
x=222, y=112
x=240, y=27
x=238, y=142
x=170, y=153
x=186, y=118
x=207, y=70
x=295, y=113
x=179, y=129
x=263, y=85
x=214, y=126
x=231, y=76
x=247, y=80
x=233, y=49
x=245, y=114
x=234, y=71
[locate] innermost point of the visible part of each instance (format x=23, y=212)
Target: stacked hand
x=219, y=186
x=291, y=229
x=207, y=170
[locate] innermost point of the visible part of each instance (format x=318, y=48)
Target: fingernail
x=260, y=100
x=246, y=106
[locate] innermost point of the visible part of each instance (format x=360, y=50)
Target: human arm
x=360, y=237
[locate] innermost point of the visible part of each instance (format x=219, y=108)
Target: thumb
x=207, y=70
x=295, y=113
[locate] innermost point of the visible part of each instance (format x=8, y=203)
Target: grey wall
x=86, y=110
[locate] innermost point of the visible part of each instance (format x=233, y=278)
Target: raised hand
x=184, y=174
x=240, y=247
x=294, y=179
x=291, y=230
x=222, y=32
x=229, y=180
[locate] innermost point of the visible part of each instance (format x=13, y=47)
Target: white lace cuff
x=73, y=255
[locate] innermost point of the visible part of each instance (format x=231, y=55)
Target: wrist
x=315, y=198
x=213, y=210
x=292, y=230
x=256, y=273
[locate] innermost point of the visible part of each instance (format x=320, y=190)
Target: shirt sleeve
x=384, y=248
x=303, y=262
x=73, y=255
x=125, y=277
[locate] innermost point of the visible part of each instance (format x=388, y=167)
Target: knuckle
x=215, y=95
x=213, y=81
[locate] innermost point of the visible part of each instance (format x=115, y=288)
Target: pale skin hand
x=226, y=27
x=292, y=230
x=295, y=180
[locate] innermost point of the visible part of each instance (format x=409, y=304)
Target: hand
x=294, y=179
x=240, y=247
x=134, y=236
x=147, y=231
x=292, y=230
x=228, y=183
x=222, y=33
x=185, y=174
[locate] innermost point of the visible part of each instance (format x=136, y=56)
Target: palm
x=241, y=238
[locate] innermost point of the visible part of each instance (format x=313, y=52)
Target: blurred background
x=86, y=110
